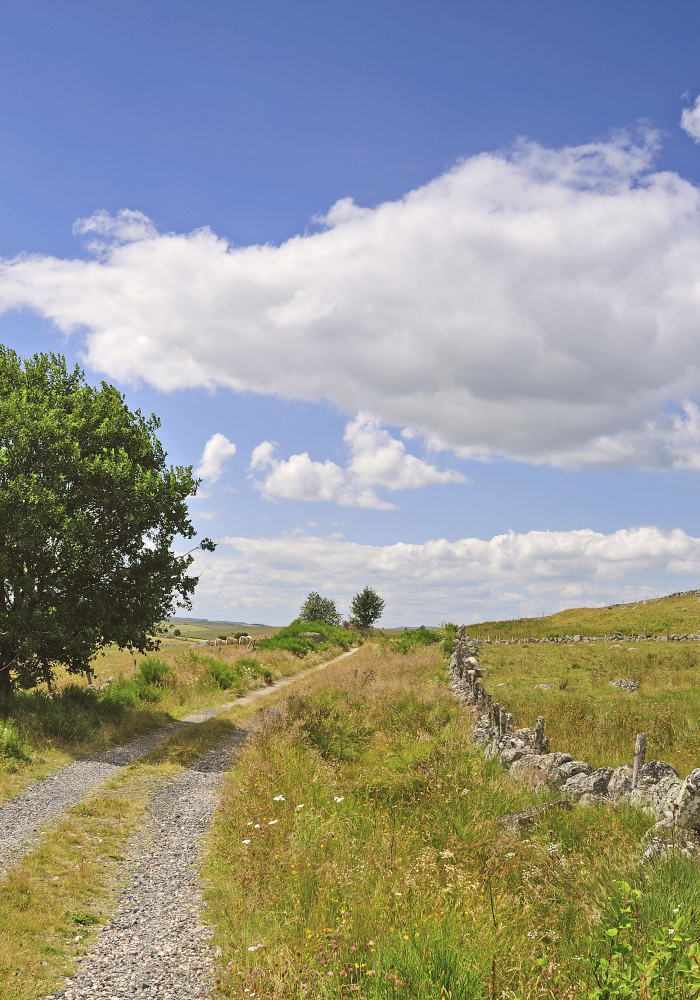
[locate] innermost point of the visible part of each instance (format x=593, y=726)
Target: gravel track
x=22, y=818
x=156, y=945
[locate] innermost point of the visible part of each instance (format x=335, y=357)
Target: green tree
x=366, y=608
x=88, y=513
x=319, y=609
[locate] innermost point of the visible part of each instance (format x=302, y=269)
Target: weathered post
x=509, y=723
x=502, y=722
x=640, y=752
x=539, y=734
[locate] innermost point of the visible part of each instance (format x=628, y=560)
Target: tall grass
x=356, y=851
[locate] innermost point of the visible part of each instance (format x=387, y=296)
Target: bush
x=12, y=745
x=155, y=672
x=232, y=675
x=411, y=638
x=292, y=638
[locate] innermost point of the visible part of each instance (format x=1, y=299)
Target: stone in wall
x=620, y=783
x=588, y=784
x=654, y=798
x=573, y=767
x=537, y=770
x=687, y=814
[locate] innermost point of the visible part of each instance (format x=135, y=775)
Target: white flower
x=511, y=855
x=272, y=822
x=398, y=894
x=245, y=841
x=338, y=799
x=249, y=824
x=257, y=826
x=278, y=798
x=301, y=806
x=465, y=791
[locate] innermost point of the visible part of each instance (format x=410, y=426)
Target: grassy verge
x=356, y=852
x=589, y=719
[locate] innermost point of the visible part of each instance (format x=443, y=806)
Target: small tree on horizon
x=319, y=609
x=366, y=608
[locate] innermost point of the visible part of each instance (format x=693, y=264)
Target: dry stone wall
x=654, y=785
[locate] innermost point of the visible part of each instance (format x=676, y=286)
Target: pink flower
x=353, y=948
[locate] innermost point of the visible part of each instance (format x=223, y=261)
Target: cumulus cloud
x=377, y=459
x=540, y=304
x=217, y=451
x=690, y=120
x=468, y=580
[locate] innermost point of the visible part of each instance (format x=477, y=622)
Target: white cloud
x=690, y=120
x=541, y=305
x=217, y=451
x=467, y=580
x=377, y=459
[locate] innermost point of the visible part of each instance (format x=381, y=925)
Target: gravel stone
x=156, y=944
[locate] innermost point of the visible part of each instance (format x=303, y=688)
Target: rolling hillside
x=677, y=613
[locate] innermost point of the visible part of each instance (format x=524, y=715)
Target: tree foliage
x=366, y=608
x=319, y=609
x=88, y=513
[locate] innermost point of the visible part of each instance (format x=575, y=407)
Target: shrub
x=12, y=745
x=292, y=637
x=411, y=638
x=232, y=675
x=155, y=672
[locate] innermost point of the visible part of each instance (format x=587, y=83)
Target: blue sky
x=474, y=382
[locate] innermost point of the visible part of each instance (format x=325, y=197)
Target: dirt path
x=22, y=818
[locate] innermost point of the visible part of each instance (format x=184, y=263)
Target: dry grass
x=381, y=870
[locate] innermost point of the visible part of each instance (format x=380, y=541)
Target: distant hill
x=676, y=613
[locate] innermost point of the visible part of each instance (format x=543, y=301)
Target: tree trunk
x=5, y=682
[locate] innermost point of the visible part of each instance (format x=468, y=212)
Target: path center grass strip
x=356, y=852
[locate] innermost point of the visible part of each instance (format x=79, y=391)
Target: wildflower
x=677, y=909
x=398, y=894
x=353, y=948
x=338, y=799
x=532, y=934
x=257, y=826
x=405, y=937
x=330, y=973
x=465, y=791
x=245, y=841
x=278, y=798
x=672, y=930
x=301, y=806
x=272, y=822
x=343, y=972
x=249, y=824
x=511, y=855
